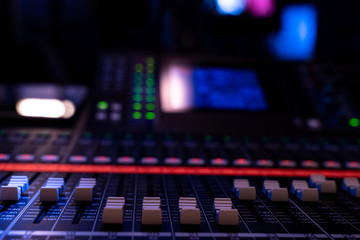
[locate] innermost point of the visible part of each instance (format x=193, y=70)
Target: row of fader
x=189, y=213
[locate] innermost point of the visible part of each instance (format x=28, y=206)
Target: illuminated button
x=225, y=214
x=302, y=191
x=84, y=191
x=243, y=191
x=151, y=212
x=149, y=160
x=100, y=116
x=116, y=106
x=78, y=159
x=242, y=162
x=52, y=189
x=102, y=159
x=25, y=157
x=271, y=188
x=114, y=210
x=126, y=160
x=4, y=157
x=352, y=186
x=115, y=116
x=287, y=163
x=189, y=213
x=219, y=162
x=332, y=164
x=309, y=164
x=324, y=186
x=196, y=161
x=173, y=161
x=50, y=158
x=13, y=190
x=349, y=164
x=264, y=163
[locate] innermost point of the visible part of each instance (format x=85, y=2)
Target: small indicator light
x=103, y=105
x=137, y=115
x=137, y=106
x=354, y=122
x=137, y=98
x=150, y=60
x=150, y=115
x=150, y=106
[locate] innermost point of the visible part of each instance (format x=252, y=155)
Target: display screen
x=185, y=88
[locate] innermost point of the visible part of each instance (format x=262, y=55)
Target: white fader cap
x=13, y=190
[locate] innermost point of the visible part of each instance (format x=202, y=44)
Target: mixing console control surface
x=177, y=206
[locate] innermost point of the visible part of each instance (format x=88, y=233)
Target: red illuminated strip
x=270, y=172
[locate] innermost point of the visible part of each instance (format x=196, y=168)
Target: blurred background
x=61, y=42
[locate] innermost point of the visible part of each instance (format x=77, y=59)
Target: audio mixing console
x=53, y=189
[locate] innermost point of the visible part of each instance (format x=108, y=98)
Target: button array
x=225, y=214
x=13, y=190
x=52, y=189
x=301, y=190
x=272, y=190
x=189, y=213
x=243, y=190
x=84, y=191
x=151, y=212
x=114, y=210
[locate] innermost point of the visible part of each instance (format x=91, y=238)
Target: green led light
x=150, y=90
x=138, y=89
x=150, y=75
x=150, y=115
x=102, y=105
x=150, y=69
x=137, y=98
x=137, y=115
x=207, y=137
x=354, y=122
x=150, y=98
x=150, y=60
x=138, y=81
x=150, y=82
x=139, y=67
x=150, y=106
x=137, y=106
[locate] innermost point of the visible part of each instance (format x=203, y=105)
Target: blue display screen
x=228, y=89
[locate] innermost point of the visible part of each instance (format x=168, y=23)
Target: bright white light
x=46, y=108
x=176, y=90
x=230, y=7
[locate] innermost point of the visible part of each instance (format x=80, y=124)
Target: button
x=78, y=159
x=264, y=163
x=225, y=214
x=173, y=161
x=116, y=106
x=25, y=157
x=52, y=189
x=242, y=162
x=196, y=161
x=115, y=116
x=114, y=210
x=219, y=162
x=302, y=191
x=332, y=164
x=13, y=190
x=84, y=191
x=50, y=158
x=151, y=212
x=189, y=213
x=352, y=186
x=4, y=157
x=352, y=165
x=243, y=191
x=126, y=160
x=100, y=116
x=102, y=159
x=272, y=190
x=309, y=164
x=149, y=160
x=324, y=186
x=287, y=163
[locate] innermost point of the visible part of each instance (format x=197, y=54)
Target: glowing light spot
x=137, y=106
x=150, y=115
x=137, y=98
x=297, y=38
x=45, y=108
x=230, y=7
x=102, y=105
x=354, y=122
x=150, y=106
x=261, y=8
x=137, y=115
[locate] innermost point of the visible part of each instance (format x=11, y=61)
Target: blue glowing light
x=230, y=7
x=297, y=38
x=228, y=89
